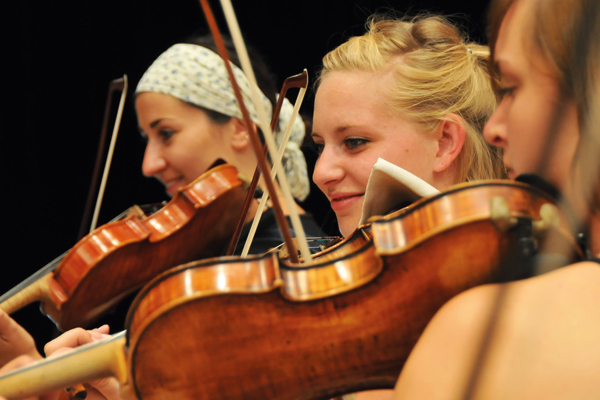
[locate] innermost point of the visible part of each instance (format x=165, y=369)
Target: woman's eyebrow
x=337, y=131
x=154, y=123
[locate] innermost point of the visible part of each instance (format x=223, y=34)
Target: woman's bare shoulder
x=541, y=330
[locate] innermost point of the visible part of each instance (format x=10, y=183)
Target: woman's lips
x=173, y=185
x=340, y=203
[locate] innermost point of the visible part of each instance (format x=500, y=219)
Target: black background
x=57, y=61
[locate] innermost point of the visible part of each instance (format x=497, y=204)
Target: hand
x=21, y=361
x=102, y=389
x=15, y=341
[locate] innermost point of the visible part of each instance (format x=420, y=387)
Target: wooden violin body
x=258, y=327
x=122, y=256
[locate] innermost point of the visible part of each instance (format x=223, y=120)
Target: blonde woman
x=544, y=343
x=413, y=92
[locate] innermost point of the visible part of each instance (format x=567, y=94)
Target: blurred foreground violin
x=260, y=327
x=120, y=257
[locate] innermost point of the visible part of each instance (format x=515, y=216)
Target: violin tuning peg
x=548, y=219
x=500, y=214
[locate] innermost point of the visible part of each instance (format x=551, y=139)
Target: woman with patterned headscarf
x=413, y=92
x=188, y=113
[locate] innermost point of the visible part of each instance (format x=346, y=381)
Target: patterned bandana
x=198, y=76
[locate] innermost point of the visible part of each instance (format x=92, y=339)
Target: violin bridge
x=135, y=211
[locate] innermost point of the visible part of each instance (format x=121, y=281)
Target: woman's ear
x=451, y=138
x=240, y=138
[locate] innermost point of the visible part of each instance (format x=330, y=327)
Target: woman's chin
x=347, y=225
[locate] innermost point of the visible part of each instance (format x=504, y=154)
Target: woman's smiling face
x=352, y=128
x=183, y=142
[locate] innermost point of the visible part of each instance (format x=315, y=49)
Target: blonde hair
x=439, y=73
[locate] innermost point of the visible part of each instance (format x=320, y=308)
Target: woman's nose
x=494, y=131
x=328, y=169
x=154, y=161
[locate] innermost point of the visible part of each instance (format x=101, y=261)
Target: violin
x=262, y=327
x=121, y=256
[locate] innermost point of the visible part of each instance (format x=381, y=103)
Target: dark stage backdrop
x=58, y=59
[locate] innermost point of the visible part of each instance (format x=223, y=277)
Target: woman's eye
x=506, y=91
x=354, y=143
x=166, y=134
x=317, y=147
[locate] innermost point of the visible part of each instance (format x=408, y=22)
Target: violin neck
x=51, y=266
x=37, y=290
x=86, y=363
x=39, y=286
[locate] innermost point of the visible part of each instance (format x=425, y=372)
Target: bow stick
x=277, y=164
x=263, y=164
x=302, y=81
x=299, y=81
x=117, y=84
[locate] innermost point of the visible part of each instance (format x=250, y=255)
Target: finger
x=73, y=338
x=104, y=329
x=109, y=388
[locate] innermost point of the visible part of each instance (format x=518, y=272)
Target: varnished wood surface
x=227, y=328
x=462, y=203
x=231, y=343
x=120, y=257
